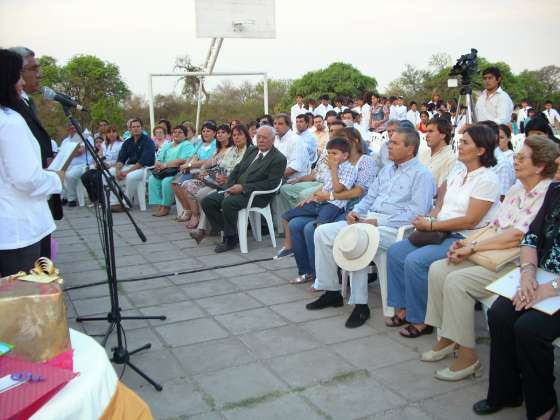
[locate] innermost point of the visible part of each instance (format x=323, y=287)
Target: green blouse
x=170, y=151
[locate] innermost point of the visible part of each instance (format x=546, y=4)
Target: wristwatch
x=473, y=244
x=555, y=285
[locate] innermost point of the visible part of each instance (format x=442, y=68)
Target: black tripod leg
x=144, y=347
x=82, y=318
x=157, y=386
x=107, y=334
x=160, y=317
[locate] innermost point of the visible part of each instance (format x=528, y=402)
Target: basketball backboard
x=235, y=19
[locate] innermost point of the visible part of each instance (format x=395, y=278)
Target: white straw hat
x=355, y=246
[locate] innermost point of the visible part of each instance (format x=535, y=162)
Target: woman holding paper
x=456, y=283
x=522, y=354
x=25, y=186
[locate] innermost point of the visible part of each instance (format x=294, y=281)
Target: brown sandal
x=396, y=321
x=414, y=332
x=191, y=224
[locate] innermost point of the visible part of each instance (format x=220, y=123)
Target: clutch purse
x=494, y=259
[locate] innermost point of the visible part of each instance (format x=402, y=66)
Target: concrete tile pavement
x=238, y=342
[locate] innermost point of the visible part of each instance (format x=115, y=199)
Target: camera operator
x=494, y=104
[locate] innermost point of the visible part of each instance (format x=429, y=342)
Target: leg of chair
x=80, y=194
x=141, y=195
x=179, y=206
x=270, y=224
x=242, y=217
x=380, y=260
x=256, y=225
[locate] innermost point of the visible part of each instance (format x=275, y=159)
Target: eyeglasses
x=520, y=157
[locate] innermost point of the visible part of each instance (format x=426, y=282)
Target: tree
x=337, y=79
x=94, y=83
x=410, y=84
x=190, y=83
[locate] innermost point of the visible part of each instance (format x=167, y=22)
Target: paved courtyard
x=238, y=342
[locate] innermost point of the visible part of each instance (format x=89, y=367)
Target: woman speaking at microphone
x=25, y=187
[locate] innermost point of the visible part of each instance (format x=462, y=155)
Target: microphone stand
x=121, y=355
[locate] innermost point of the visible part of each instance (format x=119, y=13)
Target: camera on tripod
x=466, y=67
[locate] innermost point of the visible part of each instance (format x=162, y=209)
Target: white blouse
x=25, y=217
x=480, y=184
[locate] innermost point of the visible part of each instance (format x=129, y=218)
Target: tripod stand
x=121, y=355
x=466, y=95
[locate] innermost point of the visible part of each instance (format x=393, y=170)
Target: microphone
x=66, y=101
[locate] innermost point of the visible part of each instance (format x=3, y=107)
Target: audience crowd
x=344, y=178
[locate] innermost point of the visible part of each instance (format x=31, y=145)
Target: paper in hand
x=64, y=156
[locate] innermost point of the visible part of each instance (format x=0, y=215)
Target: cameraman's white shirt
x=496, y=107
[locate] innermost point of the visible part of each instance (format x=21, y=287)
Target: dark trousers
x=222, y=211
x=323, y=212
x=92, y=181
x=522, y=357
x=46, y=247
x=21, y=259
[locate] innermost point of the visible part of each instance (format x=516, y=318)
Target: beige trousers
x=452, y=292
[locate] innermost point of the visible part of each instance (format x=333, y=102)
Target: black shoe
x=483, y=407
x=72, y=204
x=358, y=317
x=228, y=244
x=64, y=201
x=329, y=298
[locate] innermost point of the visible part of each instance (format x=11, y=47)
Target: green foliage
x=337, y=79
x=96, y=84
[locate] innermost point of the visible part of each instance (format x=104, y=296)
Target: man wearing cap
x=323, y=107
x=401, y=191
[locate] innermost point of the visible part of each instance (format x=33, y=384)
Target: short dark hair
x=224, y=127
x=326, y=97
x=495, y=71
x=103, y=120
x=166, y=123
x=339, y=143
x=443, y=126
x=318, y=116
x=539, y=124
x=181, y=127
x=250, y=124
x=284, y=117
x=484, y=137
x=11, y=64
x=210, y=126
x=303, y=117
x=426, y=113
x=330, y=113
x=268, y=118
x=338, y=122
x=492, y=126
x=347, y=111
x=412, y=103
x=138, y=120
x=548, y=102
x=240, y=128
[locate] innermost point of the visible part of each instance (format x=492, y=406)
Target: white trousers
x=326, y=268
x=71, y=178
x=128, y=184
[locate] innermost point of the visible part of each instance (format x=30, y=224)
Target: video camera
x=466, y=66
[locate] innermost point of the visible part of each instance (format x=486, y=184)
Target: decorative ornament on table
x=44, y=271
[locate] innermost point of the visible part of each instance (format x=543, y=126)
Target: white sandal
x=185, y=216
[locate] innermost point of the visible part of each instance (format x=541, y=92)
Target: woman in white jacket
x=25, y=187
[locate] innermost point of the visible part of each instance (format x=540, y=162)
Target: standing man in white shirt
x=494, y=104
x=522, y=113
x=400, y=109
x=291, y=146
x=551, y=115
x=338, y=105
x=320, y=132
x=298, y=108
x=77, y=166
x=304, y=133
x=323, y=107
x=413, y=115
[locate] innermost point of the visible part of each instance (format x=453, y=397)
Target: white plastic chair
x=380, y=260
x=253, y=215
x=141, y=189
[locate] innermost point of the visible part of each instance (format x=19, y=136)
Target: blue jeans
x=407, y=275
x=302, y=229
x=323, y=212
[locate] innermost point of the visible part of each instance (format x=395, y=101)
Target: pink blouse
x=520, y=207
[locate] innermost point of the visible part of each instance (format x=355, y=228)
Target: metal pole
x=215, y=54
x=265, y=93
x=199, y=101
x=151, y=102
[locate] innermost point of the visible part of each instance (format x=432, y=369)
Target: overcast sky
x=378, y=37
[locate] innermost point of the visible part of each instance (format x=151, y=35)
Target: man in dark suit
x=260, y=170
x=26, y=108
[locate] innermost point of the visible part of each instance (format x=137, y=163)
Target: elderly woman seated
x=456, y=282
x=521, y=352
x=214, y=178
x=469, y=202
x=170, y=157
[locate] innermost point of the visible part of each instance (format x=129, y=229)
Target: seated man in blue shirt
x=399, y=193
x=136, y=153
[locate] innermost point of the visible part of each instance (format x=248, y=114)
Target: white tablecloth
x=88, y=394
